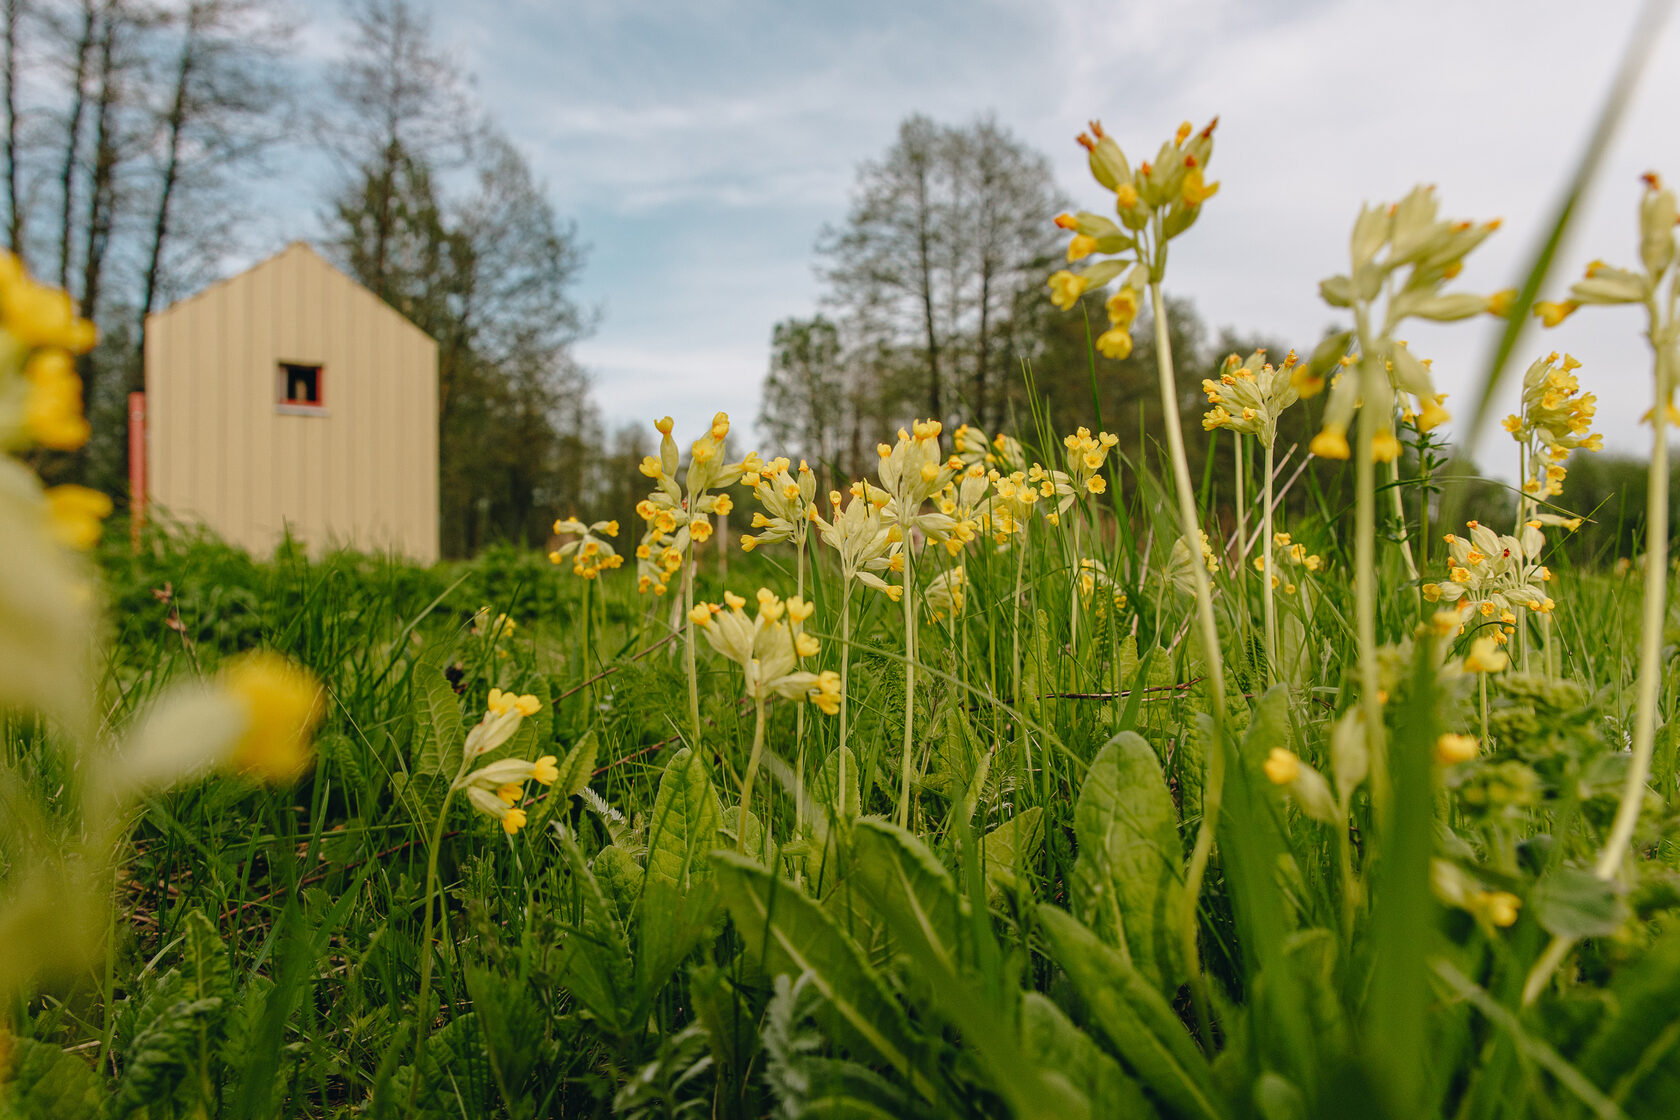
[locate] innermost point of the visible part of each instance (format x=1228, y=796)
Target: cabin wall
x=361, y=470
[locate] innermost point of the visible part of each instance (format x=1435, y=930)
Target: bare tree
x=398, y=98
x=224, y=105
x=13, y=13
x=943, y=232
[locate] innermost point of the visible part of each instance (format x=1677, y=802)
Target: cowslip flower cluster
x=1014, y=501
x=965, y=500
x=1086, y=455
x=1180, y=572
x=497, y=788
x=788, y=499
x=769, y=646
x=866, y=541
x=1493, y=574
x=497, y=630
x=1409, y=252
x=1155, y=203
x=1098, y=588
x=590, y=553
x=1606, y=284
x=1249, y=395
x=1291, y=563
x=1556, y=418
x=913, y=470
x=945, y=594
x=678, y=514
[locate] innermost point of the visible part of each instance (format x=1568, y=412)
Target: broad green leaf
x=38, y=1081
x=910, y=888
x=685, y=821
x=437, y=721
x=1128, y=881
x=1011, y=846
x=1572, y=903
x=1635, y=1054
x=785, y=933
x=577, y=767
x=1053, y=1042
x=828, y=779
x=597, y=966
x=674, y=922
x=1137, y=1022
x=620, y=877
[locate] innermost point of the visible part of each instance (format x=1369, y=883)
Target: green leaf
x=577, y=768
x=1053, y=1043
x=785, y=933
x=597, y=966
x=827, y=779
x=437, y=721
x=1635, y=1054
x=1128, y=882
x=1572, y=903
x=39, y=1081
x=620, y=877
x=1137, y=1022
x=1011, y=846
x=686, y=817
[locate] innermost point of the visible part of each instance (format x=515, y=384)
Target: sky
x=702, y=146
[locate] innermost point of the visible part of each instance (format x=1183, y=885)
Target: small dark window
x=300, y=384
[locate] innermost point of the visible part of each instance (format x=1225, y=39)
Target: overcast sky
x=701, y=146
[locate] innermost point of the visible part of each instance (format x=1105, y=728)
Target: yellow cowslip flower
x=1115, y=343
x=1066, y=288
x=52, y=411
x=1081, y=247
x=591, y=555
x=789, y=498
x=283, y=704
x=1331, y=443
x=1495, y=573
x=1499, y=303
x=1556, y=419
x=1249, y=395
x=1282, y=766
x=1453, y=748
x=676, y=512
x=1551, y=313
x=511, y=794
x=769, y=648
x=75, y=514
x=945, y=594
x=1180, y=572
x=1498, y=907
x=1485, y=656
x=1385, y=447
x=39, y=316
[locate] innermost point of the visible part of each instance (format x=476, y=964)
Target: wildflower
x=75, y=514
x=1179, y=564
x=1066, y=288
x=945, y=593
x=769, y=647
x=39, y=316
x=676, y=512
x=503, y=714
x=52, y=411
x=590, y=553
x=790, y=500
x=282, y=705
x=1485, y=656
x=1494, y=573
x=1453, y=748
x=1282, y=766
x=1555, y=420
x=1257, y=392
x=862, y=536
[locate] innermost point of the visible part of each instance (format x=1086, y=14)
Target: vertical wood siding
x=362, y=473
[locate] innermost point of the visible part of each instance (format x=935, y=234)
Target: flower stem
x=1268, y=577
x=1240, y=503
x=909, y=677
x=845, y=692
x=1365, y=577
x=688, y=649
x=422, y=1009
x=1213, y=788
x=752, y=772
x=1650, y=635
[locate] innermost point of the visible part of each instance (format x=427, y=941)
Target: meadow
x=1025, y=777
